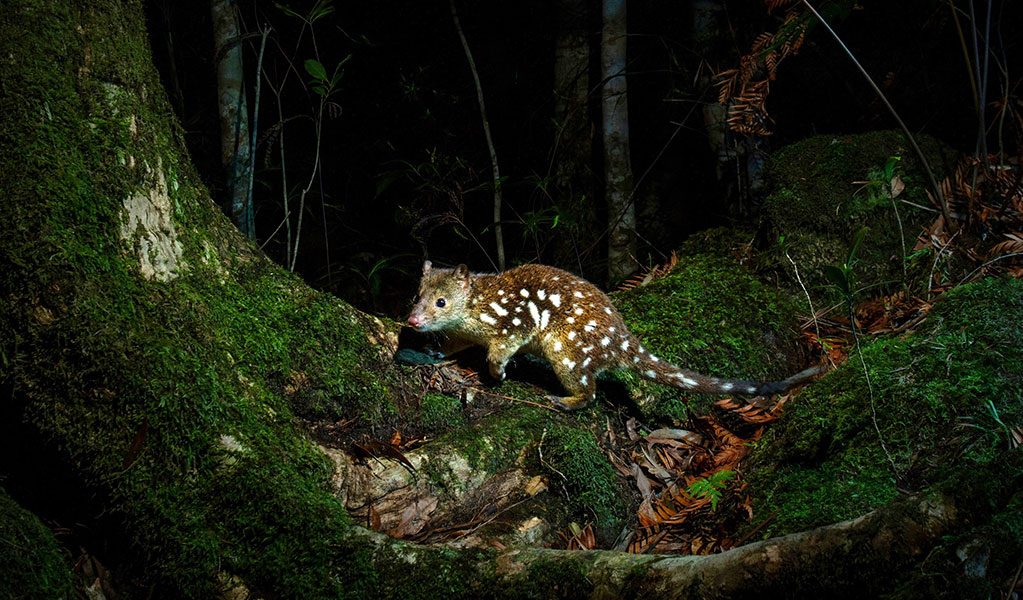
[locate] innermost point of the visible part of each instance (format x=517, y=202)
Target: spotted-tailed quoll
x=559, y=317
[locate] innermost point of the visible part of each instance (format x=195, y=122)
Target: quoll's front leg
x=498, y=355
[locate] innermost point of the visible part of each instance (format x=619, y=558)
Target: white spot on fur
x=635, y=359
x=541, y=294
x=501, y=312
x=654, y=358
x=571, y=335
x=590, y=327
x=607, y=309
x=557, y=346
x=556, y=299
x=582, y=380
x=488, y=319
x=650, y=374
x=726, y=387
x=605, y=341
x=751, y=389
x=578, y=311
x=500, y=292
x=504, y=332
x=534, y=312
x=544, y=318
x=504, y=300
x=524, y=292
x=577, y=294
x=516, y=321
x=587, y=349
x=586, y=362
x=612, y=329
x=625, y=345
x=690, y=383
x=570, y=319
x=570, y=364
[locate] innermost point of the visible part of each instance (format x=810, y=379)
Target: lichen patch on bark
x=152, y=212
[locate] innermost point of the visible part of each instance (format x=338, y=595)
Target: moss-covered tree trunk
x=154, y=362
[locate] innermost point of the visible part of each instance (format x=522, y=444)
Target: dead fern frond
x=1013, y=245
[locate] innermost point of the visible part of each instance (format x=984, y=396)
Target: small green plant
x=841, y=276
x=711, y=487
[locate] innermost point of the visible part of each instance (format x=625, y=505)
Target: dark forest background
x=402, y=145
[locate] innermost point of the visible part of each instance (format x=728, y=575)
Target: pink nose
x=414, y=321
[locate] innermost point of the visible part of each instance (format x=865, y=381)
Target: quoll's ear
x=426, y=267
x=462, y=272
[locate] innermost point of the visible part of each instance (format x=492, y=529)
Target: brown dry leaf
x=896, y=187
x=630, y=429
x=414, y=518
x=642, y=483
x=536, y=485
x=658, y=435
x=396, y=439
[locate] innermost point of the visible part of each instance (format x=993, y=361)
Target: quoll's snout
x=414, y=320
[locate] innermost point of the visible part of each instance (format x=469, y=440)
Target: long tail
x=655, y=369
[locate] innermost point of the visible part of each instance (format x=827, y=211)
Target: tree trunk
x=739, y=160
x=621, y=211
x=233, y=112
x=574, y=183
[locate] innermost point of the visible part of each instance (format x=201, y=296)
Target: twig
x=934, y=265
x=1015, y=579
x=909, y=136
x=870, y=390
x=988, y=263
x=249, y=209
x=498, y=234
x=813, y=313
x=754, y=531
x=537, y=404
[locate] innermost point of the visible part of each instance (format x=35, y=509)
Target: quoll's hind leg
x=580, y=384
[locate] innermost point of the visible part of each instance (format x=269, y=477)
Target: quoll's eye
x=441, y=302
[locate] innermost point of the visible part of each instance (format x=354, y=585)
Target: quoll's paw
x=558, y=404
x=568, y=403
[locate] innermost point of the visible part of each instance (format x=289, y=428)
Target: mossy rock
x=31, y=561
x=944, y=400
x=826, y=188
x=710, y=315
x=572, y=461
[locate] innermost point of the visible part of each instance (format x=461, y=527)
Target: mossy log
x=155, y=363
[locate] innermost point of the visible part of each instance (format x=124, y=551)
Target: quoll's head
x=443, y=295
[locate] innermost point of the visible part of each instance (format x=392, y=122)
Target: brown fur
x=559, y=317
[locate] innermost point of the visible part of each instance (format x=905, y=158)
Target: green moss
x=435, y=574
x=712, y=316
x=571, y=458
x=943, y=396
x=561, y=578
x=496, y=441
x=31, y=561
x=440, y=412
